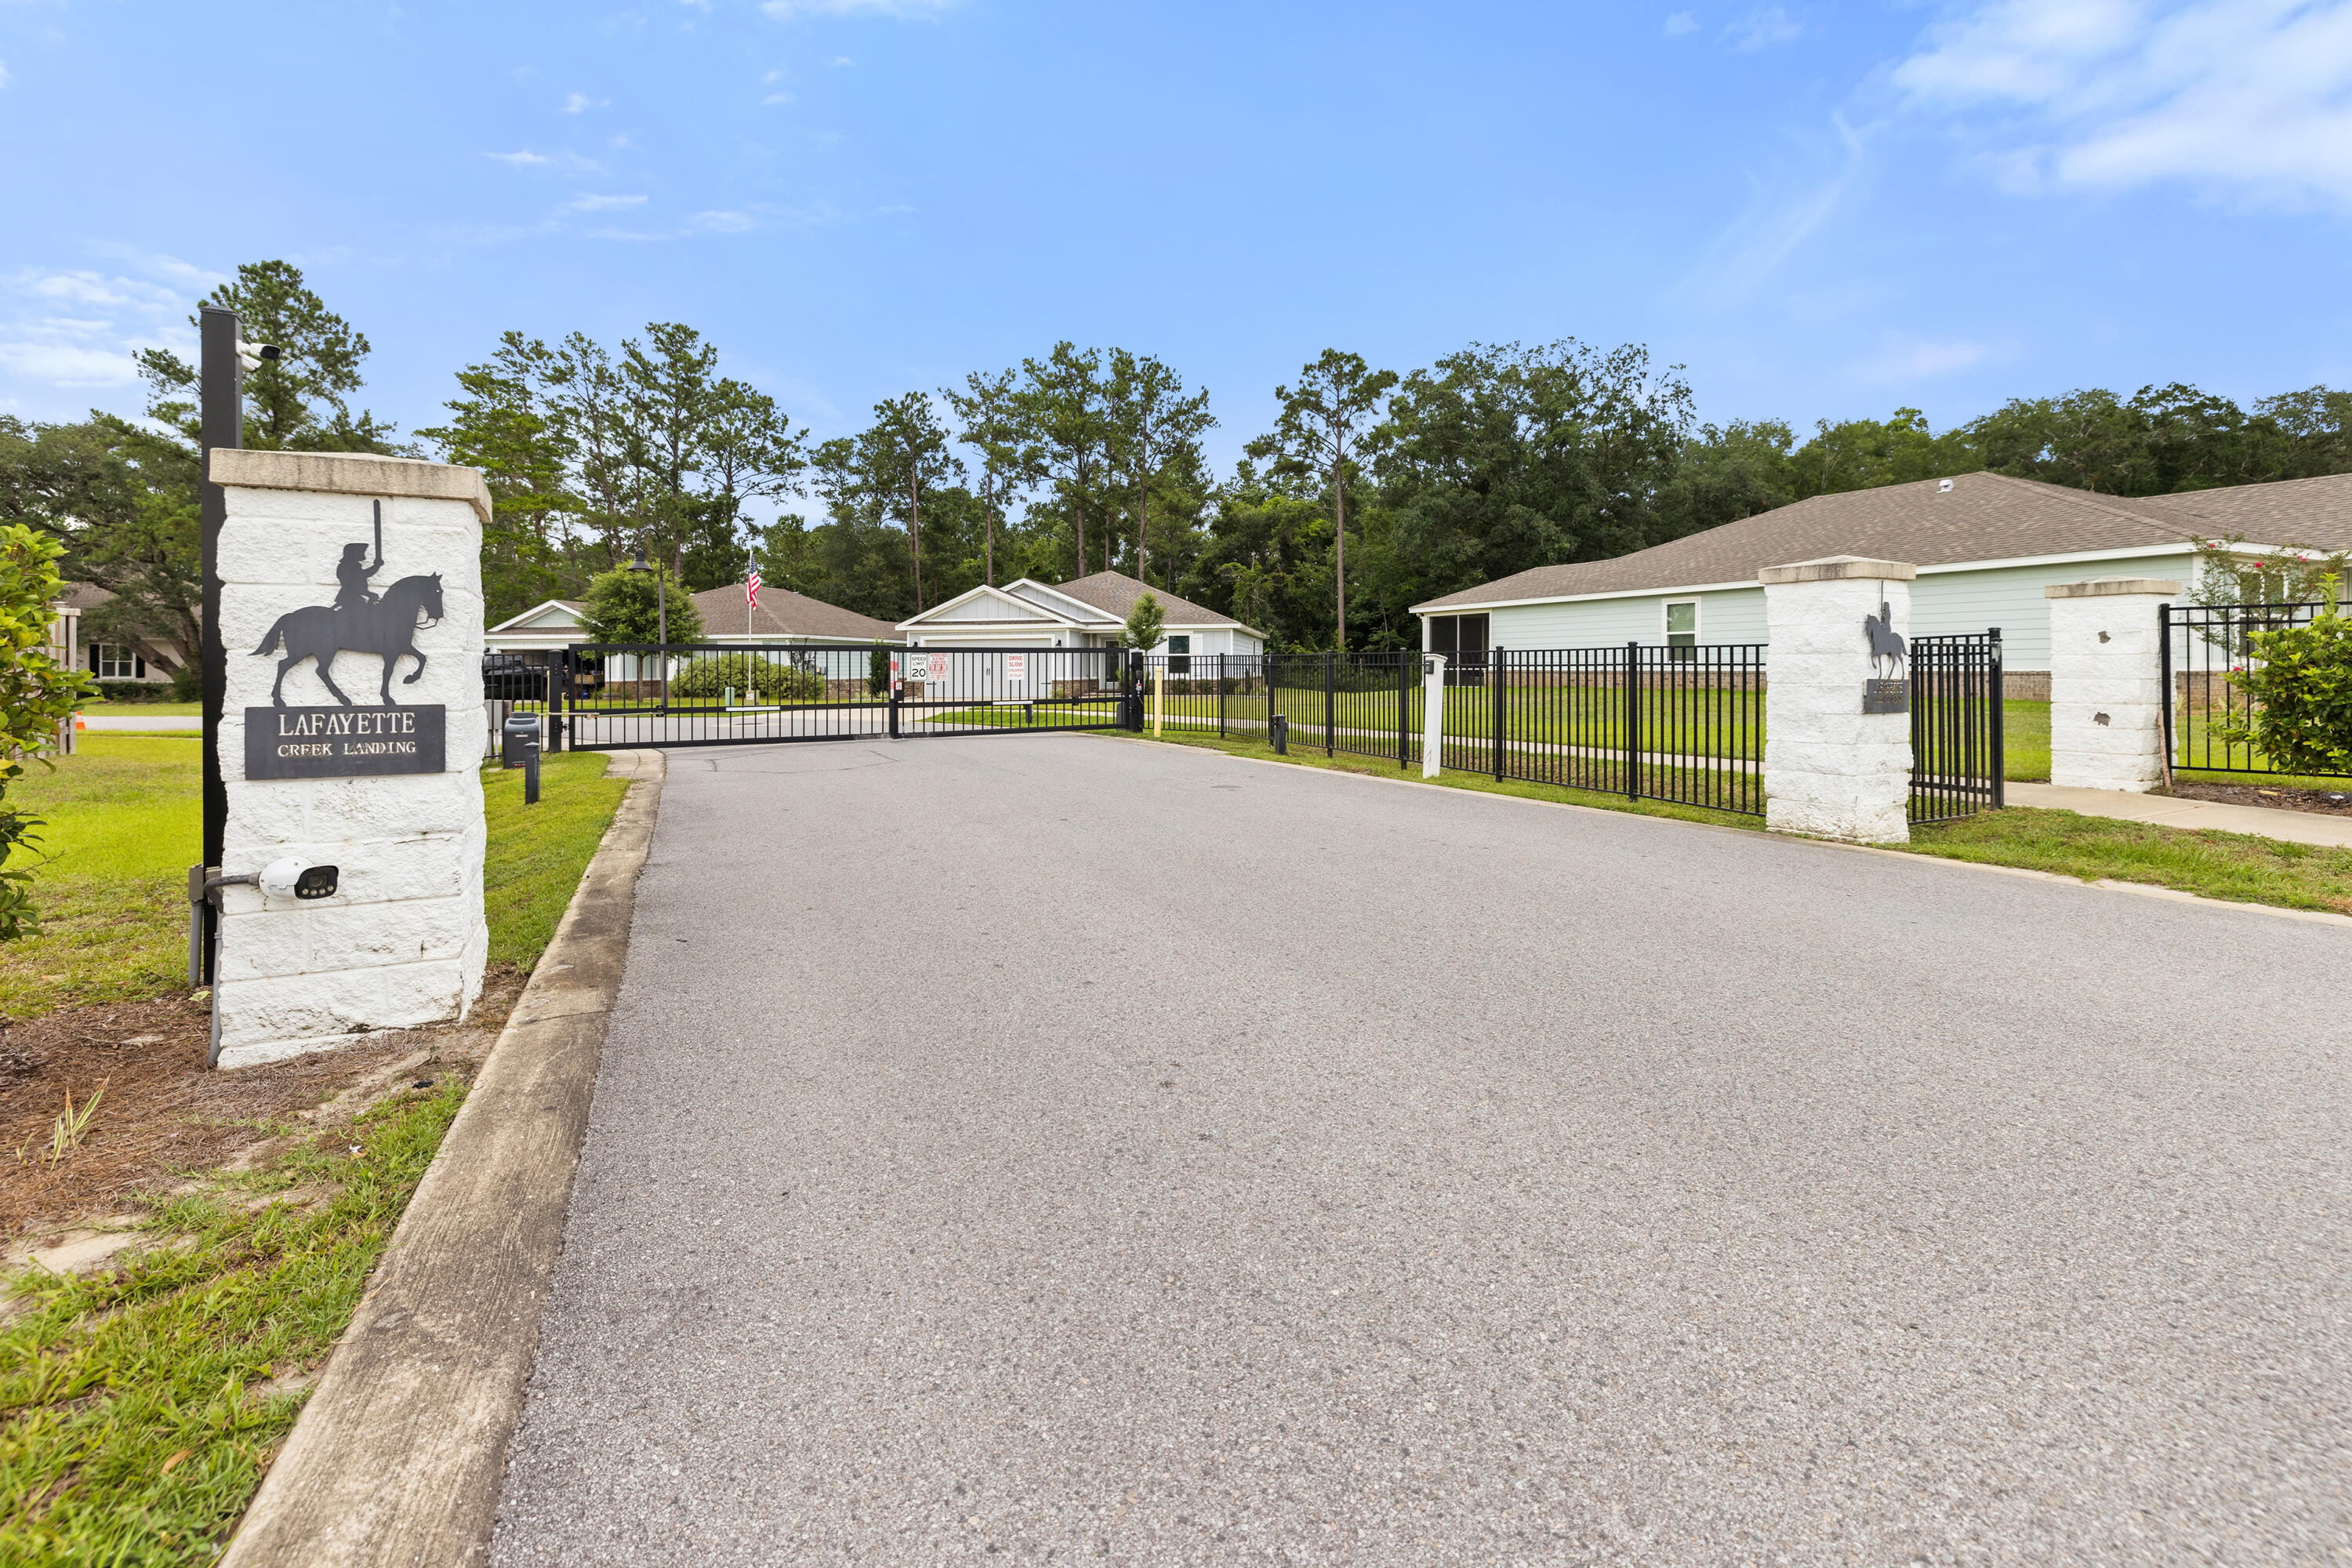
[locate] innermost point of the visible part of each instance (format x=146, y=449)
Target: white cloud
x=598, y=204
x=580, y=103
x=903, y=10
x=2251, y=98
x=777, y=98
x=523, y=160
x=1681, y=23
x=5, y=78
x=722, y=222
x=839, y=60
x=568, y=163
x=1765, y=25
x=65, y=330
x=1782, y=215
x=1905, y=360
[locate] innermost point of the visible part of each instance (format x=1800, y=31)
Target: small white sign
x=1016, y=668
x=939, y=662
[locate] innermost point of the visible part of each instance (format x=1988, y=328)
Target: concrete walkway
x=99, y=723
x=1033, y=1148
x=2294, y=826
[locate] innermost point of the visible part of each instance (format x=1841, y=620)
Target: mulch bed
x=163, y=1112
x=2328, y=803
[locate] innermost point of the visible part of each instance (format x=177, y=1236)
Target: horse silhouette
x=1886, y=642
x=386, y=627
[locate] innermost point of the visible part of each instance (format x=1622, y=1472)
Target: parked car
x=509, y=677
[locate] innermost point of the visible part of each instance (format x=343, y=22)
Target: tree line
x=1373, y=490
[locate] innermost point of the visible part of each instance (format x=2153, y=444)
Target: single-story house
x=1086, y=612
x=782, y=617
x=148, y=658
x=1986, y=546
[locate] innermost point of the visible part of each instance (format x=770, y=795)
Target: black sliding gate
x=613, y=696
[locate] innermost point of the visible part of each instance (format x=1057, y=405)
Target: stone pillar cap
x=2103, y=587
x=350, y=474
x=1836, y=568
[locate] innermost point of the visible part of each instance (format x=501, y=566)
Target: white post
x=1837, y=744
x=379, y=784
x=2106, y=688
x=1433, y=713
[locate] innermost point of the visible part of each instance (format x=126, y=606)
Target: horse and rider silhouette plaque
x=1885, y=694
x=294, y=743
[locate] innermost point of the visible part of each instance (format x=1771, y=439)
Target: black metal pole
x=1494, y=719
x=2164, y=667
x=1330, y=717
x=1221, y=697
x=220, y=424
x=1405, y=705
x=1633, y=721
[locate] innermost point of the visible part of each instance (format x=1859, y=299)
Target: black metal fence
x=616, y=695
x=1956, y=726
x=2202, y=646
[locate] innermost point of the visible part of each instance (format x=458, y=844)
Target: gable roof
x=1115, y=593
x=523, y=622
x=784, y=614
x=1983, y=517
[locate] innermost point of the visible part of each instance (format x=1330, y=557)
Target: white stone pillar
x=1433, y=714
x=2106, y=685
x=1831, y=769
x=388, y=793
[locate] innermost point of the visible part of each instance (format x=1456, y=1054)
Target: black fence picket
x=1956, y=762
x=2203, y=648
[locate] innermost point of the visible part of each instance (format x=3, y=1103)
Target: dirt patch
x=2328, y=803
x=164, y=1113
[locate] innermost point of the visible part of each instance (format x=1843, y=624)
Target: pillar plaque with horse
x=357, y=621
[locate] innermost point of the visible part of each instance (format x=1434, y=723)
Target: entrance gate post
x=1837, y=720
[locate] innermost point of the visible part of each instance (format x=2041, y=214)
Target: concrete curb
x=401, y=1453
x=2104, y=884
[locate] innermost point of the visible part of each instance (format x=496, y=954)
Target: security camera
x=294, y=878
x=251, y=355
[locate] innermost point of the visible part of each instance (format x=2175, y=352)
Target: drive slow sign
x=344, y=742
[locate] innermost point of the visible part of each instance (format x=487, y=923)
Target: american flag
x=751, y=589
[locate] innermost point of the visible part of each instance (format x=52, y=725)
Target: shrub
x=2299, y=680
x=746, y=676
x=134, y=691
x=877, y=672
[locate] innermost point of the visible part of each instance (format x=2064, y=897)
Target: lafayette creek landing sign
x=344, y=742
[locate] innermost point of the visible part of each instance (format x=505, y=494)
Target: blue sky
x=1820, y=210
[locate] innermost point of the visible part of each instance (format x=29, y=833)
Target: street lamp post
x=661, y=618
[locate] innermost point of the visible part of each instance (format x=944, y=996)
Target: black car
x=509, y=677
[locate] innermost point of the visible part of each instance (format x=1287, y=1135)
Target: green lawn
x=138, y=1409
x=2025, y=741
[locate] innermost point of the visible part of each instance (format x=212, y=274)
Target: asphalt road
x=1066, y=1149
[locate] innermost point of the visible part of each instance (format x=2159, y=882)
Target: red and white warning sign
x=938, y=667
x=1016, y=668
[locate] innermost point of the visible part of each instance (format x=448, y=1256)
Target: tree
x=509, y=425
x=1862, y=454
x=1061, y=406
x=301, y=400
x=1153, y=426
x=1146, y=622
x=904, y=454
x=1010, y=459
x=750, y=449
x=627, y=606
x=1501, y=458
x=35, y=694
x=1322, y=422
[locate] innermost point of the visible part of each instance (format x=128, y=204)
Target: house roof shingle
x=1115, y=593
x=1983, y=517
x=784, y=614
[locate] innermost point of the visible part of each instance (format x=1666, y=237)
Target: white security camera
x=251, y=355
x=295, y=878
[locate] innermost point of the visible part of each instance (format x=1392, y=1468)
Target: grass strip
x=2236, y=868
x=141, y=1406
x=138, y=1405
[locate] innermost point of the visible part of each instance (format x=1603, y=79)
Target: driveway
x=1062, y=1149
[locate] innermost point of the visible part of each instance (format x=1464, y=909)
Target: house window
x=1682, y=629
x=113, y=661
x=1461, y=638
x=1180, y=651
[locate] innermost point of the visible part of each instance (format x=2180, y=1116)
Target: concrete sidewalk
x=101, y=722
x=1029, y=1148
x=2294, y=826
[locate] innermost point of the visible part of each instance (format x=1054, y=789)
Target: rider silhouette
x=353, y=571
